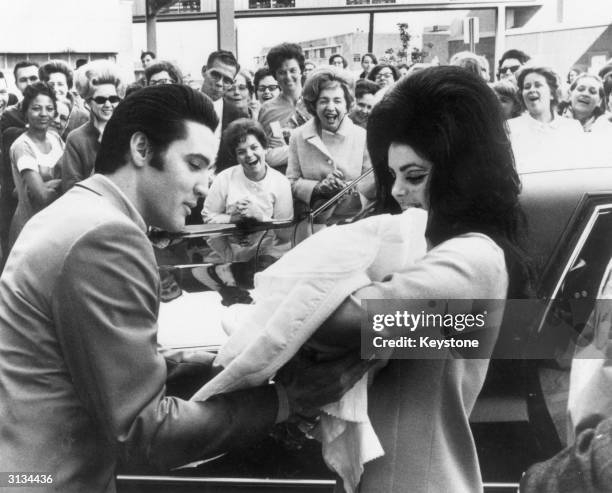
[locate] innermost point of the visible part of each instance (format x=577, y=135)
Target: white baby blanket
x=293, y=297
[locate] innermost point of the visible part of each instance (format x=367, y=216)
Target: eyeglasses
x=218, y=77
x=159, y=82
x=103, y=99
x=384, y=75
x=271, y=88
x=511, y=68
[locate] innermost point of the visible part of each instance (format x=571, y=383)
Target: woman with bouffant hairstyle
x=438, y=143
x=101, y=86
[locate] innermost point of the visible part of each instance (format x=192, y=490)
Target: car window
x=583, y=274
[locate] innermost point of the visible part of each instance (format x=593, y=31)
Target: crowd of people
x=550, y=123
x=90, y=161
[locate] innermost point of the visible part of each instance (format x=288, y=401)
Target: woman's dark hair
x=374, y=72
x=56, y=67
x=451, y=118
x=372, y=57
x=284, y=51
x=143, y=54
x=236, y=133
x=551, y=77
x=601, y=109
x=338, y=55
x=159, y=112
x=33, y=90
x=161, y=66
x=260, y=74
x=365, y=86
x=576, y=70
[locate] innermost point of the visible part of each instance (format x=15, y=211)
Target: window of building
x=334, y=50
x=322, y=53
x=271, y=4
x=356, y=57
x=182, y=6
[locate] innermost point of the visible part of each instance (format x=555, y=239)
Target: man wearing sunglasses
x=219, y=74
x=510, y=63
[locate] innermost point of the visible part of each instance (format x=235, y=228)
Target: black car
x=519, y=418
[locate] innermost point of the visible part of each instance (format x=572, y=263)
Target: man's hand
x=311, y=384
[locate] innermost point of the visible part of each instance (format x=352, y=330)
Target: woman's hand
x=41, y=193
x=254, y=107
x=330, y=185
x=247, y=209
x=311, y=384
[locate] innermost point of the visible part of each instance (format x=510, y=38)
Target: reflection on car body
x=519, y=417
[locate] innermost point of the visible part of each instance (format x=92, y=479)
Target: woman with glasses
x=101, y=86
x=266, y=86
x=385, y=76
x=241, y=95
x=162, y=72
x=540, y=138
x=34, y=156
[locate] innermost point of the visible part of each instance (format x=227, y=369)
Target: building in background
x=559, y=33
x=40, y=30
x=350, y=45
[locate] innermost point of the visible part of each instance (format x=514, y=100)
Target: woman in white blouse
x=540, y=138
x=248, y=191
x=34, y=155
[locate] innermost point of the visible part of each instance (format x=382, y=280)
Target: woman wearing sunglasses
x=100, y=85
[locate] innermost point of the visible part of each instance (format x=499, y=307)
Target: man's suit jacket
x=82, y=382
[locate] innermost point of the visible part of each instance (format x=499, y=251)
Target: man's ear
x=140, y=149
x=203, y=70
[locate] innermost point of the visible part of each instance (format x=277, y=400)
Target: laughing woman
x=248, y=191
x=329, y=151
x=540, y=138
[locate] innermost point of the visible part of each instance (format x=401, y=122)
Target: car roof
x=550, y=199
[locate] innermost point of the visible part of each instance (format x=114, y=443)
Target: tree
x=389, y=57
x=419, y=56
x=402, y=53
